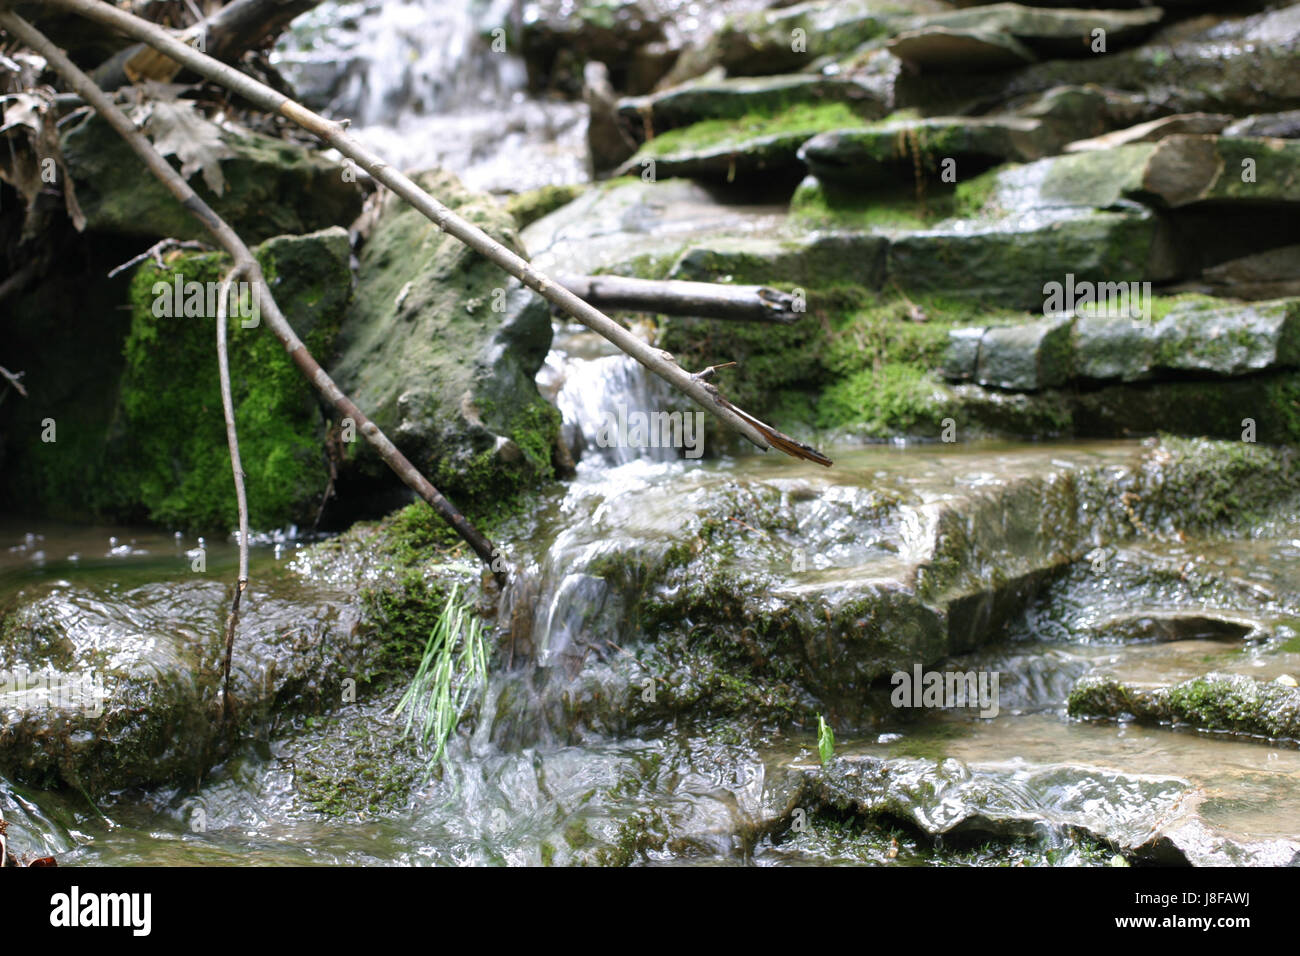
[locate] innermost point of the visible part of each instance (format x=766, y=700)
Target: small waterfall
x=604, y=397
x=424, y=87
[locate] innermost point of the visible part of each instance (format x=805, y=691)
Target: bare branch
x=236, y=466
x=710, y=300
x=14, y=380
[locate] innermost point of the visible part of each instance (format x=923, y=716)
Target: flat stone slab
x=1229, y=703
x=1186, y=169
x=891, y=150
x=940, y=49
x=807, y=261
x=1199, y=336
x=1153, y=130
x=640, y=228
x=1052, y=31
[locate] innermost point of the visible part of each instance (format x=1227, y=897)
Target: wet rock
x=1157, y=129
x=892, y=150
x=1027, y=357
x=899, y=575
x=441, y=348
x=940, y=49
x=1150, y=817
x=272, y=187
x=124, y=689
x=1285, y=125
x=1222, y=702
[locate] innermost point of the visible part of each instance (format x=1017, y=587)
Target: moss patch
x=801, y=118
x=168, y=456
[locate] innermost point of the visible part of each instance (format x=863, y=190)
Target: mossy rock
x=272, y=187
x=140, y=434
x=167, y=452
x=440, y=347
x=1230, y=703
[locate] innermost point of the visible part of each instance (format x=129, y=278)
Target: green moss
x=802, y=119
x=819, y=204
x=1284, y=407
x=169, y=461
x=973, y=197
x=528, y=207
x=896, y=399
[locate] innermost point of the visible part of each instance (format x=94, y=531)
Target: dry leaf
x=178, y=129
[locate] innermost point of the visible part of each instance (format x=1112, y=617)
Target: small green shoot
x=825, y=740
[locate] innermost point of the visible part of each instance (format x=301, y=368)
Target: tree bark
x=708, y=300
x=228, y=34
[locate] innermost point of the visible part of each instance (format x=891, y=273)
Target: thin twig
x=155, y=251
x=236, y=466
x=229, y=240
x=14, y=380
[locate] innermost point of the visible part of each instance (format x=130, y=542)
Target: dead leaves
x=30, y=159
x=177, y=128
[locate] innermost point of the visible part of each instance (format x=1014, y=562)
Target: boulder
x=271, y=186
x=441, y=347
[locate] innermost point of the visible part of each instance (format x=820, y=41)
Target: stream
x=559, y=764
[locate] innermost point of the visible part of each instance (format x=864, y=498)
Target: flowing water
x=537, y=779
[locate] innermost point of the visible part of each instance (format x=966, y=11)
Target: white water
x=423, y=86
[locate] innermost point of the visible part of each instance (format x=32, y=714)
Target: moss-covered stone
x=528, y=207
x=1230, y=703
x=272, y=187
x=151, y=446
x=440, y=347
x=169, y=457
